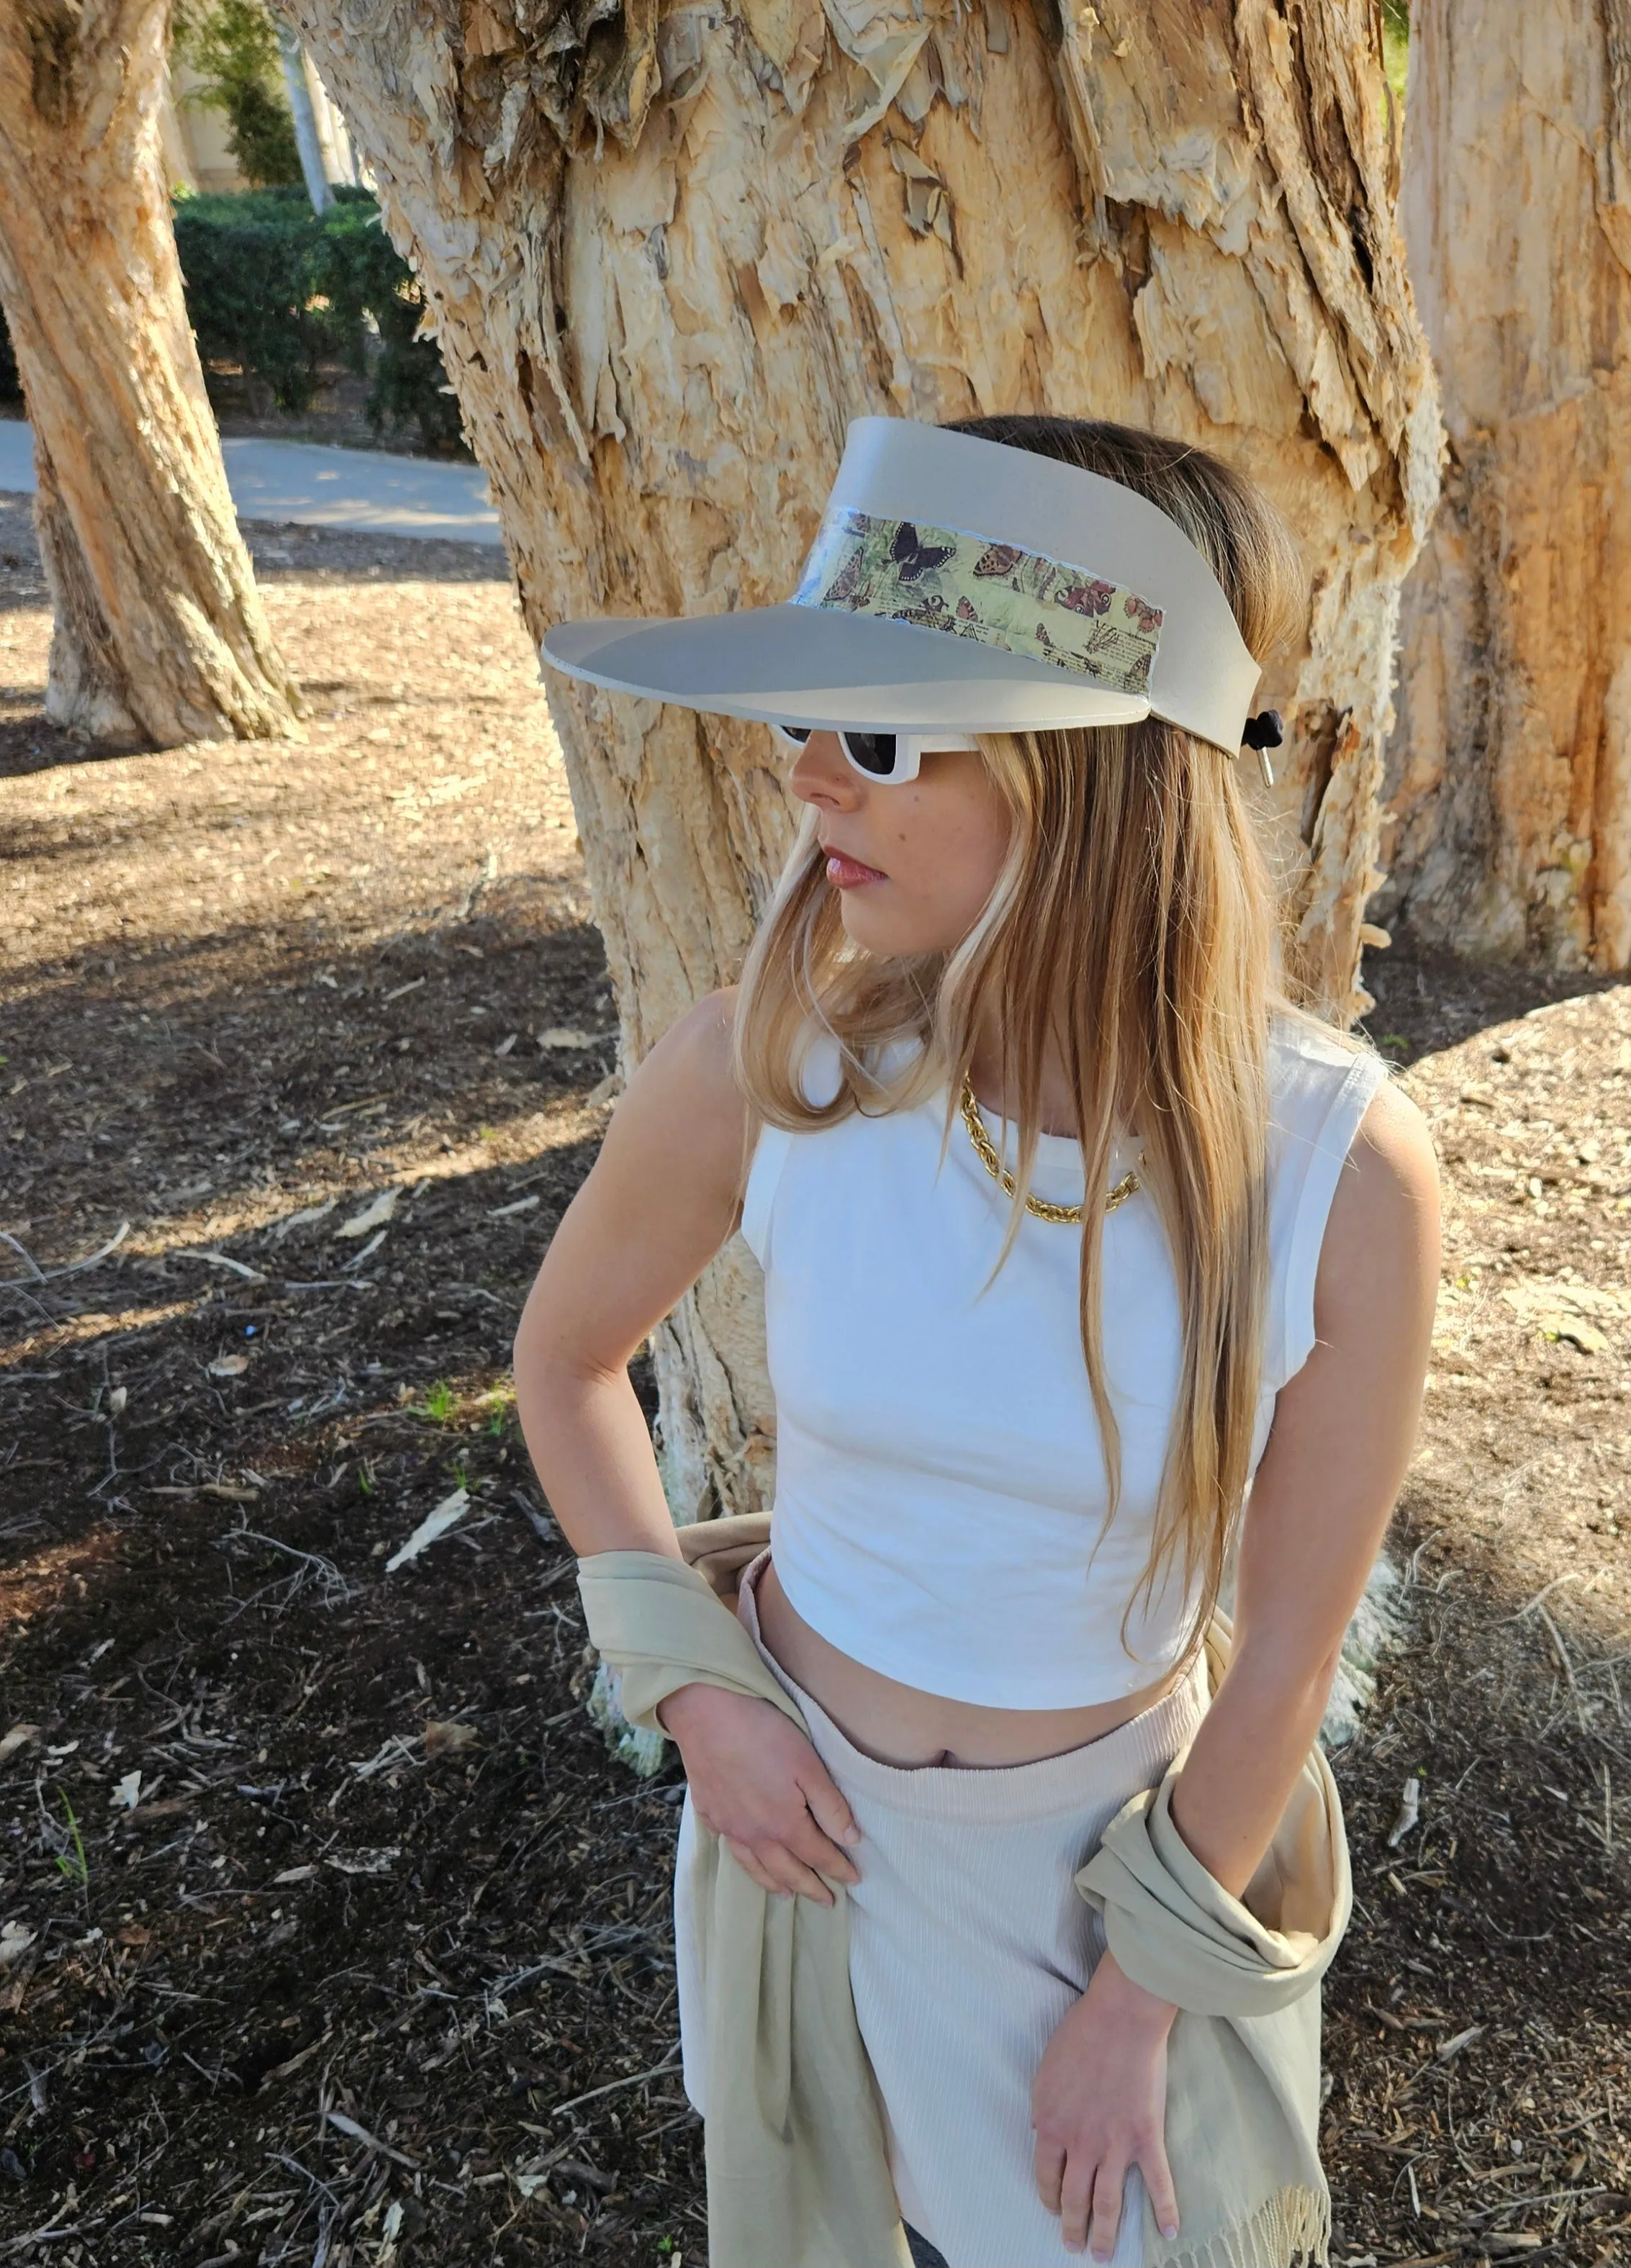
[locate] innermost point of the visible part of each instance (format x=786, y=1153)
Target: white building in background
x=195, y=147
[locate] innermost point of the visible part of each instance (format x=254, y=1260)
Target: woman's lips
x=847, y=873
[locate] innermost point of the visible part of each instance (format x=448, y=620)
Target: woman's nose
x=821, y=776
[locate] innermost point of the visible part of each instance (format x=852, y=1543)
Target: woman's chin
x=874, y=923
x=870, y=926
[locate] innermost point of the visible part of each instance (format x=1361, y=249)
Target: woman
x=1088, y=1258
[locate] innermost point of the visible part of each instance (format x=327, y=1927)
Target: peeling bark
x=159, y=633
x=85, y=684
x=669, y=257
x=1509, y=787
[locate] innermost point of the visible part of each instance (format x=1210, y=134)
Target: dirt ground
x=328, y=1931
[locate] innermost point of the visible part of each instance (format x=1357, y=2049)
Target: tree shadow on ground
x=1427, y=999
x=1477, y=2017
x=280, y=551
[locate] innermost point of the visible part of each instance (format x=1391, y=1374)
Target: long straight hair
x=1133, y=923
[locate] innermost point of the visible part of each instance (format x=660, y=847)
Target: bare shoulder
x=684, y=1113
x=692, y=1060
x=1384, y=1225
x=1393, y=1154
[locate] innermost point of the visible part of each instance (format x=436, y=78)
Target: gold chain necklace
x=985, y=1151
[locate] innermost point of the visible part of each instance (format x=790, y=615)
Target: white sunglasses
x=887, y=758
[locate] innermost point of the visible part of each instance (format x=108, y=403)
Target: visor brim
x=814, y=667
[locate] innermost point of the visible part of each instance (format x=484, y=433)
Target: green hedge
x=281, y=290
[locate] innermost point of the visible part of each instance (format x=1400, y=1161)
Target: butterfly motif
x=1147, y=617
x=998, y=559
x=1089, y=598
x=912, y=556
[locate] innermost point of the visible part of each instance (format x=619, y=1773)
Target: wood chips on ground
x=329, y=1933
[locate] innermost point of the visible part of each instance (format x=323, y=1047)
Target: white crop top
x=939, y=1485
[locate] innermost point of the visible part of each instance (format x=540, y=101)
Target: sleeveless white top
x=939, y=1488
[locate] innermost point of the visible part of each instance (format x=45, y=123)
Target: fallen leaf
x=367, y=1862
x=367, y=1252
x=307, y=1215
x=127, y=1795
x=293, y=1875
x=19, y=1737
x=225, y=1260
x=446, y=1739
x=1409, y=1813
x=1449, y=2050
x=507, y=1212
x=568, y=1036
x=229, y=1366
x=506, y=1044
x=345, y=2125
x=372, y=1217
x=436, y=1523
x=117, y=1400
x=16, y=1937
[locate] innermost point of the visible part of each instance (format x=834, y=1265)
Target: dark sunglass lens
x=797, y=733
x=873, y=752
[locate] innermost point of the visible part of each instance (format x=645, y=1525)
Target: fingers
x=809, y=1844
x=828, y=1808
x=1076, y=2203
x=787, y=1850
x=1107, y=2185
x=1050, y=2171
x=1163, y=2197
x=775, y=1868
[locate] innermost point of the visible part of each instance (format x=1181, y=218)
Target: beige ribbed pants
x=968, y=1943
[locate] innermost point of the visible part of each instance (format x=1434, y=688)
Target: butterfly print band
x=943, y=579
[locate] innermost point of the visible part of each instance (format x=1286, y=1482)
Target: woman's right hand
x=757, y=1784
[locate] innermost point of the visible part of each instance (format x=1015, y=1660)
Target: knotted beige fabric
x=1242, y=2058
x=798, y=2173
x=797, y=2170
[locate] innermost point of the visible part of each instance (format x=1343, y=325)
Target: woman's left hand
x=1099, y=2105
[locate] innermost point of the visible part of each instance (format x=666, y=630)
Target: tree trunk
x=306, y=138
x=669, y=259
x=159, y=632
x=1510, y=775
x=339, y=157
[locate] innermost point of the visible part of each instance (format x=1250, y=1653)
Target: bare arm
x=1345, y=1427
x=1344, y=1430
x=662, y=1197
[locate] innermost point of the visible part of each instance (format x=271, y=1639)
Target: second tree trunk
x=160, y=636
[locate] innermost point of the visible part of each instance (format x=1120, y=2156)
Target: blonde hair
x=1133, y=917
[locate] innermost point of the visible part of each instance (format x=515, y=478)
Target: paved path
x=367, y=489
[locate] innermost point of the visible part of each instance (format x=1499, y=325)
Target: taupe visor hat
x=958, y=585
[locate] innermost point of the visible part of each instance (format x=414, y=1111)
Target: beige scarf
x=796, y=2165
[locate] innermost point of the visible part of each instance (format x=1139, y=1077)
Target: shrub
x=369, y=285
x=281, y=290
x=252, y=296
x=232, y=45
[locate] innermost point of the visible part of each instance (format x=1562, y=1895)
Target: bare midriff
x=898, y=1725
